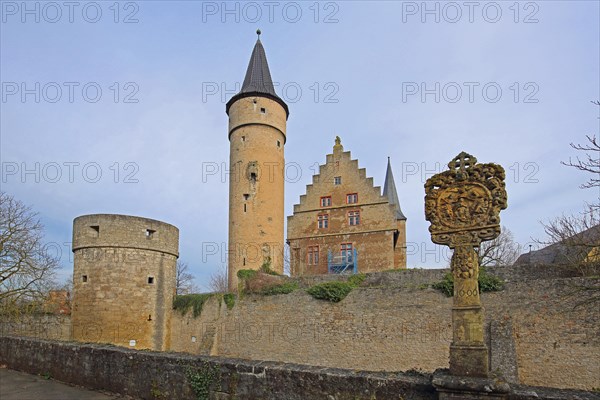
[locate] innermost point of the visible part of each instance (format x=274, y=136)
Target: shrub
x=331, y=291
x=356, y=280
x=487, y=283
x=183, y=303
x=284, y=288
x=246, y=273
x=229, y=299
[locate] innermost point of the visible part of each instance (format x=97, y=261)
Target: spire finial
x=258, y=32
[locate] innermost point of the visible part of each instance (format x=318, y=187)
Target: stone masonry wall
x=537, y=333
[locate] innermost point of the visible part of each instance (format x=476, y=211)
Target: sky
x=119, y=107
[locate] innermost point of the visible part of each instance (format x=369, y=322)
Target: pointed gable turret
x=389, y=191
x=258, y=81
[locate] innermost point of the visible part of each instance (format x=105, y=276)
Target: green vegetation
x=266, y=267
x=446, y=285
x=202, y=378
x=246, y=273
x=336, y=291
x=183, y=303
x=487, y=283
x=229, y=299
x=330, y=291
x=284, y=288
x=356, y=280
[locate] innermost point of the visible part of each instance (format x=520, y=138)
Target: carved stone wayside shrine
x=463, y=206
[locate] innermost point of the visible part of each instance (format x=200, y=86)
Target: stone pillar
x=468, y=352
x=463, y=205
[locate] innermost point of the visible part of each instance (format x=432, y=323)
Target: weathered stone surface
x=392, y=322
x=451, y=387
x=463, y=205
x=123, y=280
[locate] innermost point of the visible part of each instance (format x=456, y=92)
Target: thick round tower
x=257, y=134
x=123, y=280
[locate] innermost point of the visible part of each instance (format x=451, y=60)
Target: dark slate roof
x=258, y=80
x=570, y=250
x=389, y=191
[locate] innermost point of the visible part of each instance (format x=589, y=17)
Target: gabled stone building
x=344, y=224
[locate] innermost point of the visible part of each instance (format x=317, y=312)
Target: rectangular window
x=323, y=221
x=337, y=180
x=150, y=233
x=352, y=198
x=346, y=251
x=263, y=110
x=354, y=217
x=313, y=255
x=326, y=201
x=151, y=280
x=83, y=278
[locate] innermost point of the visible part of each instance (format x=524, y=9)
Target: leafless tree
x=27, y=270
x=501, y=251
x=184, y=280
x=218, y=280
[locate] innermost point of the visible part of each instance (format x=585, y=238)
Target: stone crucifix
x=463, y=206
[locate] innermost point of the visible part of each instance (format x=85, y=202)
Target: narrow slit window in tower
x=244, y=208
x=278, y=143
x=244, y=262
x=246, y=196
x=149, y=317
x=243, y=138
x=150, y=233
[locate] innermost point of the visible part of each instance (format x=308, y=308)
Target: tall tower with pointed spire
x=257, y=135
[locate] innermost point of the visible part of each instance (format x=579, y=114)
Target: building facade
x=344, y=224
x=257, y=135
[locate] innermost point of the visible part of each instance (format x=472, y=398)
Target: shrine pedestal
x=450, y=387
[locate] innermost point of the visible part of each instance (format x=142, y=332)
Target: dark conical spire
x=389, y=191
x=258, y=80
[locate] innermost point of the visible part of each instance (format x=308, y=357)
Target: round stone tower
x=257, y=134
x=123, y=280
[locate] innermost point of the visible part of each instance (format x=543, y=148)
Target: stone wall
x=42, y=326
x=153, y=375
x=535, y=330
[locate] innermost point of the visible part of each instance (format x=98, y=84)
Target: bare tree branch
x=27, y=270
x=184, y=280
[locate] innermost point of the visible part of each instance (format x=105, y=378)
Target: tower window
x=253, y=176
x=244, y=262
x=151, y=280
x=352, y=198
x=354, y=218
x=243, y=138
x=95, y=230
x=323, y=221
x=278, y=143
x=263, y=110
x=337, y=180
x=84, y=278
x=326, y=201
x=150, y=233
x=246, y=196
x=244, y=208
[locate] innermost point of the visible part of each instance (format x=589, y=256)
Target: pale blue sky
x=366, y=57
